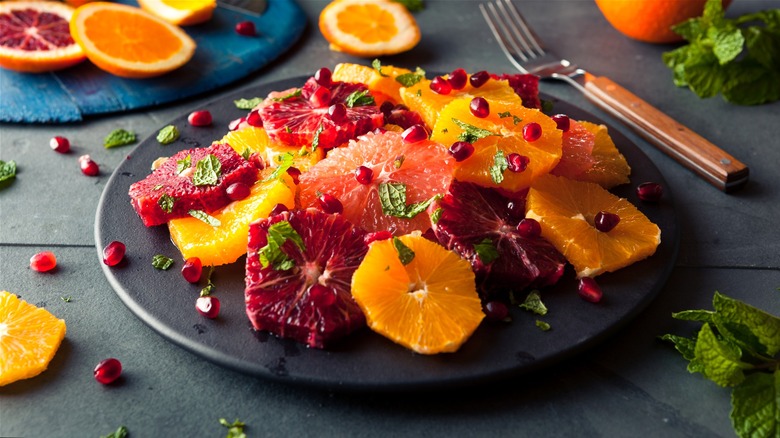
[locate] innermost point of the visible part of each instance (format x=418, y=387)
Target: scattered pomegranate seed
x=364, y=175
x=200, y=118
x=236, y=124
x=458, y=79
x=320, y=98
x=44, y=261
x=113, y=253
x=386, y=108
x=589, y=290
x=460, y=150
x=415, y=133
x=517, y=163
x=650, y=191
x=246, y=28
x=253, y=119
x=88, y=166
x=496, y=311
x=60, y=144
x=208, y=306
x=562, y=121
x=237, y=191
x=605, y=221
x=192, y=270
x=440, y=85
x=108, y=370
x=330, y=204
x=337, y=112
x=532, y=131
x=324, y=77
x=278, y=209
x=322, y=296
x=479, y=107
x=479, y=78
x=529, y=228
x=377, y=235
x=295, y=174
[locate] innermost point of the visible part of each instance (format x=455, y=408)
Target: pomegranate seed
x=589, y=290
x=113, y=253
x=479, y=78
x=200, y=118
x=324, y=77
x=377, y=235
x=337, y=112
x=253, y=119
x=44, y=261
x=278, y=209
x=460, y=150
x=364, y=175
x=257, y=161
x=295, y=174
x=529, y=228
x=414, y=134
x=479, y=107
x=108, y=370
x=532, y=131
x=246, y=28
x=236, y=124
x=516, y=162
x=496, y=311
x=237, y=191
x=458, y=79
x=605, y=221
x=320, y=98
x=439, y=85
x=207, y=306
x=60, y=144
x=88, y=166
x=330, y=204
x=650, y=191
x=321, y=296
x=562, y=121
x=192, y=270
x=386, y=108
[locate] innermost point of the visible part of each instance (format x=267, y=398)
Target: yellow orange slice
x=181, y=12
x=256, y=140
x=382, y=83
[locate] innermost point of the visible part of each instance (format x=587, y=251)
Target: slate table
x=630, y=384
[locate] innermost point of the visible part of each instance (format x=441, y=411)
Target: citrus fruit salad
x=379, y=196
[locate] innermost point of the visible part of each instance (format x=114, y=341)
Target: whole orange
x=651, y=20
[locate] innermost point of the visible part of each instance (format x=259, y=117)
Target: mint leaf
x=755, y=406
x=436, y=215
x=209, y=284
x=359, y=98
x=183, y=164
x=7, y=170
x=472, y=133
x=412, y=5
x=205, y=217
x=235, y=429
x=118, y=137
x=411, y=79
x=121, y=432
x=315, y=143
x=486, y=251
x=727, y=42
x=207, y=171
x=248, y=104
x=543, y=325
x=293, y=94
x=271, y=254
x=533, y=303
x=166, y=202
x=168, y=135
x=686, y=346
x=405, y=254
x=392, y=199
x=285, y=161
x=733, y=313
x=162, y=262
x=695, y=315
x=377, y=65
x=499, y=166
x=720, y=359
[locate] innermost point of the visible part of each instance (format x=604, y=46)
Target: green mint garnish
x=472, y=133
x=296, y=93
x=499, y=166
x=184, y=164
x=158, y=187
x=205, y=217
x=119, y=137
x=209, y=284
x=392, y=198
x=7, y=170
x=248, y=104
x=399, y=161
x=66, y=299
x=359, y=98
x=506, y=114
x=405, y=254
x=410, y=79
x=543, y=325
x=168, y=135
x=436, y=215
x=378, y=67
x=285, y=162
x=315, y=143
x=207, y=171
x=246, y=154
x=271, y=254
x=235, y=429
x=533, y=303
x=486, y=251
x=121, y=432
x=412, y=5
x=166, y=202
x=162, y=262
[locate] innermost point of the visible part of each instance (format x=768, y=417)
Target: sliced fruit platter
x=428, y=208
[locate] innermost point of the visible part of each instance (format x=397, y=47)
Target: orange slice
x=611, y=168
x=382, y=84
x=429, y=305
x=368, y=28
x=29, y=338
x=256, y=140
x=566, y=210
x=180, y=12
x=128, y=41
x=33, y=44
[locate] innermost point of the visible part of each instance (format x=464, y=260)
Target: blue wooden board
x=222, y=56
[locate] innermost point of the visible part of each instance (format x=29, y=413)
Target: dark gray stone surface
x=630, y=384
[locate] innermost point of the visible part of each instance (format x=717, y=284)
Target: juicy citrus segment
x=383, y=82
x=610, y=168
x=180, y=12
x=29, y=338
x=566, y=210
x=368, y=28
x=128, y=41
x=36, y=38
x=505, y=124
x=226, y=243
x=429, y=305
x=256, y=140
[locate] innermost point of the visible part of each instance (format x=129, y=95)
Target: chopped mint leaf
x=209, y=284
x=436, y=215
x=166, y=202
x=246, y=154
x=412, y=5
x=378, y=67
x=118, y=137
x=271, y=254
x=472, y=133
x=543, y=325
x=533, y=303
x=359, y=98
x=295, y=93
x=248, y=104
x=168, y=135
x=121, y=432
x=315, y=143
x=285, y=161
x=499, y=166
x=411, y=79
x=486, y=251
x=162, y=262
x=207, y=171
x=183, y=164
x=235, y=429
x=755, y=407
x=205, y=217
x=392, y=198
x=515, y=119
x=66, y=299
x=405, y=254
x=7, y=170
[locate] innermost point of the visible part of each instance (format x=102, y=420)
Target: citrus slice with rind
x=382, y=82
x=180, y=12
x=566, y=210
x=29, y=338
x=429, y=305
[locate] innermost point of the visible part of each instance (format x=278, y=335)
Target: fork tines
x=517, y=40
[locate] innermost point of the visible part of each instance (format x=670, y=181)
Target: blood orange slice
x=35, y=38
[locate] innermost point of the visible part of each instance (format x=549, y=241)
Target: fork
x=525, y=51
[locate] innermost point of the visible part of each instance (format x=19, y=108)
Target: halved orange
x=429, y=305
x=381, y=83
x=368, y=28
x=181, y=12
x=566, y=210
x=29, y=338
x=128, y=41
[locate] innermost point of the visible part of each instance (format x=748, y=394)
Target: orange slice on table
x=128, y=41
x=180, y=12
x=368, y=28
x=36, y=37
x=29, y=338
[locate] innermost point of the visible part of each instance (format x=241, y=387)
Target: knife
x=253, y=7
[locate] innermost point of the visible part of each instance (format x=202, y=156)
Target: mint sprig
x=271, y=254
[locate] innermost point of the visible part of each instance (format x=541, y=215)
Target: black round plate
x=364, y=360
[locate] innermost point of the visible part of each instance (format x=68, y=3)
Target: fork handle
x=685, y=146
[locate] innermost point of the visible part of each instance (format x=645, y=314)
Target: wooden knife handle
x=685, y=146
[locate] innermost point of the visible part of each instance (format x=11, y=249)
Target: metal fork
x=526, y=52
